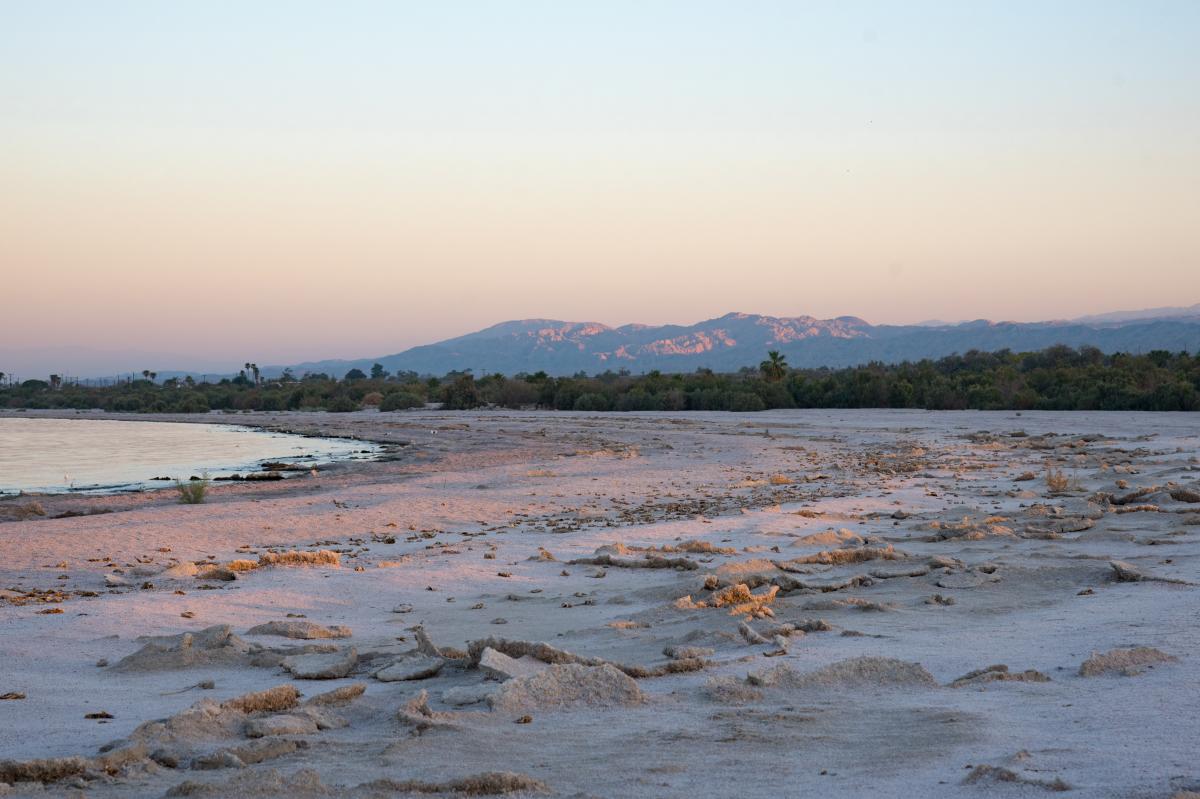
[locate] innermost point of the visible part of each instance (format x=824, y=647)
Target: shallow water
x=59, y=455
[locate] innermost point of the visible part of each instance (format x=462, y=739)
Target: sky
x=284, y=181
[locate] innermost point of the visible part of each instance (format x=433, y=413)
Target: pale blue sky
x=441, y=166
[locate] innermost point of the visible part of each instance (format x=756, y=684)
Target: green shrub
x=592, y=402
x=400, y=400
x=194, y=491
x=745, y=401
x=341, y=405
x=461, y=395
x=192, y=403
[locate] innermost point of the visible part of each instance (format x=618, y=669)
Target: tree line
x=1058, y=378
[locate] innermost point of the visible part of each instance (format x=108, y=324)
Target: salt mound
x=568, y=685
x=1126, y=662
x=204, y=721
x=489, y=783
x=306, y=630
x=997, y=774
x=211, y=646
x=307, y=784
x=860, y=672
x=843, y=537
x=730, y=691
x=176, y=738
x=304, y=784
x=618, y=548
x=998, y=673
x=737, y=572
x=839, y=557
x=180, y=571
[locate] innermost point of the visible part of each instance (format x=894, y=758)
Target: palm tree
x=775, y=367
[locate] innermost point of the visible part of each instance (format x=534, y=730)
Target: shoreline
x=255, y=469
x=311, y=425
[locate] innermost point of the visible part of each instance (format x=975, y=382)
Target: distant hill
x=736, y=340
x=40, y=362
x=1121, y=317
x=724, y=344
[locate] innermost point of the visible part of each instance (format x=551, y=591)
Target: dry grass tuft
x=322, y=557
x=192, y=492
x=26, y=510
x=740, y=600
x=339, y=696
x=1057, y=481
x=281, y=697
x=48, y=770
x=839, y=557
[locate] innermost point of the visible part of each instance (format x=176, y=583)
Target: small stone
x=468, y=695
x=165, y=758
x=285, y=724
x=222, y=759
x=410, y=667
x=502, y=667
x=324, y=718
x=1126, y=572
x=322, y=666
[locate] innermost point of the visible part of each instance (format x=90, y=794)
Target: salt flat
x=733, y=604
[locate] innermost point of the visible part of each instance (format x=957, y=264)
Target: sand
x=827, y=603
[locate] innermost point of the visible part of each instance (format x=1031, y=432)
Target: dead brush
x=27, y=510
x=1057, y=481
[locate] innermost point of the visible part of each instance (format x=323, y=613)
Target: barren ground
x=758, y=592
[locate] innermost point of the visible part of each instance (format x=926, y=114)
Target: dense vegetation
x=1059, y=378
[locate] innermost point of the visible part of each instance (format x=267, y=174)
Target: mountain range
x=726, y=343
x=735, y=340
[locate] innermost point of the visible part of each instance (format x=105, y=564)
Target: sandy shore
x=773, y=604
